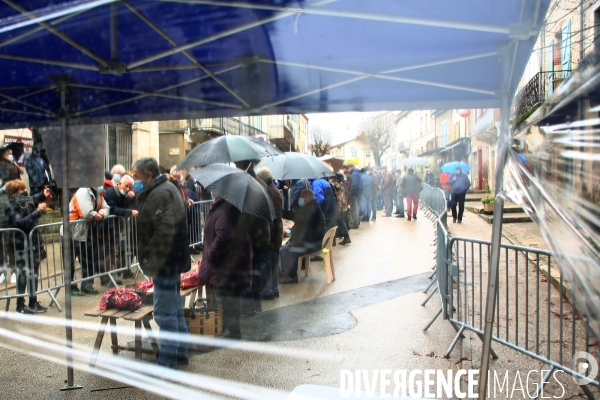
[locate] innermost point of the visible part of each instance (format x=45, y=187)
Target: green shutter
x=566, y=47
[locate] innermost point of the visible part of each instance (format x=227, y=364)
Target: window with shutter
x=566, y=47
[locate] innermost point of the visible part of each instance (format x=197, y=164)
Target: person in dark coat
x=326, y=199
x=459, y=185
x=411, y=187
x=38, y=169
x=164, y=253
x=227, y=261
x=120, y=199
x=366, y=193
x=388, y=185
x=24, y=212
x=355, y=191
x=306, y=235
x=429, y=178
x=375, y=188
x=297, y=188
x=260, y=230
x=8, y=169
x=271, y=273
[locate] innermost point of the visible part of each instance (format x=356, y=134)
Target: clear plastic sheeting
x=553, y=172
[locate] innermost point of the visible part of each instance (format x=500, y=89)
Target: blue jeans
x=168, y=314
x=365, y=206
x=447, y=194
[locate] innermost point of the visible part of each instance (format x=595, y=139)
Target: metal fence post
x=66, y=240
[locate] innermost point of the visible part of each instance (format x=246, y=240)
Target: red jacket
x=444, y=180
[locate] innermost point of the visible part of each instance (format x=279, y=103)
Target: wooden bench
x=141, y=317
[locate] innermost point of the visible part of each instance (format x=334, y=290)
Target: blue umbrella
x=451, y=166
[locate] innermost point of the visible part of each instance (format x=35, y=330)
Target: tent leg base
x=72, y=387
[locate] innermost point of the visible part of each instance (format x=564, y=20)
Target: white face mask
x=10, y=157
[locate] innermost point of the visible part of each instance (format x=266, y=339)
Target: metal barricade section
x=533, y=314
x=15, y=265
x=97, y=249
x=196, y=215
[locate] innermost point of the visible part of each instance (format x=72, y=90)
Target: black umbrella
x=17, y=149
x=238, y=188
x=225, y=149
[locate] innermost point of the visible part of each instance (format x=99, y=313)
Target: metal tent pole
x=66, y=253
x=494, y=264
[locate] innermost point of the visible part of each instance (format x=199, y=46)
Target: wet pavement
x=369, y=318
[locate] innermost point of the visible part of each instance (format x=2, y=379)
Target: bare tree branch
x=320, y=140
x=377, y=132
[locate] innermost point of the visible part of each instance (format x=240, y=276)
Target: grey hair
x=120, y=169
x=264, y=174
x=147, y=164
x=126, y=177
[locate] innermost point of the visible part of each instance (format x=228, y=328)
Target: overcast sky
x=343, y=126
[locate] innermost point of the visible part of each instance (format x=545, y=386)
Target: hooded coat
x=325, y=198
x=162, y=230
x=227, y=254
x=37, y=168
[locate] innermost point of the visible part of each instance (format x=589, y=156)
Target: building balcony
x=535, y=92
x=485, y=125
x=223, y=126
x=403, y=147
x=282, y=137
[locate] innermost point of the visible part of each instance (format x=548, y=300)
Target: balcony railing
x=485, y=125
x=536, y=91
x=403, y=147
x=224, y=126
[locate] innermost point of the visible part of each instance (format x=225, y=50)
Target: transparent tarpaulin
x=553, y=172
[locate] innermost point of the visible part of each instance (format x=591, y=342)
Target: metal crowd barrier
x=14, y=262
x=111, y=248
x=535, y=313
x=196, y=215
x=532, y=316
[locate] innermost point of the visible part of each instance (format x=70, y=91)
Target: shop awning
x=137, y=60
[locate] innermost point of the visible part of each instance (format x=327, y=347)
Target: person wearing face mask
x=8, y=169
x=164, y=253
x=38, y=169
x=120, y=199
x=176, y=178
x=458, y=191
x=306, y=235
x=87, y=207
x=117, y=172
x=429, y=178
x=24, y=212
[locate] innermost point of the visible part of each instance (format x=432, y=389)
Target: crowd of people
x=244, y=258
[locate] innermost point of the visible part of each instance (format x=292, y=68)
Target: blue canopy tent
x=101, y=61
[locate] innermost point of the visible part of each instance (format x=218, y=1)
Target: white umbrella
x=415, y=161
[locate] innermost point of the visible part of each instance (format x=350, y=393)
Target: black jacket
x=36, y=169
x=9, y=171
x=17, y=217
x=227, y=256
x=162, y=230
x=309, y=226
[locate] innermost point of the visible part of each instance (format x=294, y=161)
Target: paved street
x=369, y=318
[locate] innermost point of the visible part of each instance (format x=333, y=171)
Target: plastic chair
x=327, y=258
